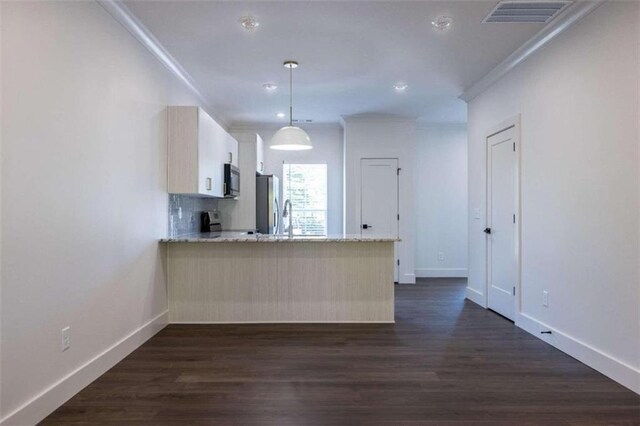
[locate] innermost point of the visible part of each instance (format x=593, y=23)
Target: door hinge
x=514, y=218
x=514, y=147
x=514, y=290
x=398, y=171
x=398, y=262
x=398, y=216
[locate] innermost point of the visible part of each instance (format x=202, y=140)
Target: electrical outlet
x=66, y=338
x=476, y=213
x=545, y=298
x=440, y=256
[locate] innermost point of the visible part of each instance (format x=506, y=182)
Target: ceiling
x=350, y=54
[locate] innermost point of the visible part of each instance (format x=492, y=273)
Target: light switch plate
x=476, y=213
x=545, y=298
x=66, y=338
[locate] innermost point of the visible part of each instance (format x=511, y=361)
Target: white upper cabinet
x=198, y=149
x=231, y=150
x=259, y=155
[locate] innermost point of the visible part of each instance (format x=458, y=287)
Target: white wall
x=379, y=136
x=84, y=197
x=441, y=200
x=578, y=100
x=327, y=148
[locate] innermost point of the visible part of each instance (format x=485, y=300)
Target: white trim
x=378, y=118
x=407, y=279
x=562, y=23
x=475, y=296
x=282, y=322
x=239, y=126
x=445, y=125
x=441, y=272
x=606, y=364
x=137, y=29
x=43, y=404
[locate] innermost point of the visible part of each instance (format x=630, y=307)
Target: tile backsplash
x=185, y=211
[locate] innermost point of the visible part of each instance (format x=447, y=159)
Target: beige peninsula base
x=280, y=281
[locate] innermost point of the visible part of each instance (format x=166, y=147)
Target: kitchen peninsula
x=242, y=278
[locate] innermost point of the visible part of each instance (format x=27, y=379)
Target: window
x=306, y=186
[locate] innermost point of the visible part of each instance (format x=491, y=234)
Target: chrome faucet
x=288, y=212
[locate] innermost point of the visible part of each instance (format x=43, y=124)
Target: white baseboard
x=475, y=296
x=615, y=369
x=278, y=322
x=43, y=404
x=441, y=272
x=407, y=279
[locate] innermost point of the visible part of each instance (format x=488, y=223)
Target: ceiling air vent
x=539, y=12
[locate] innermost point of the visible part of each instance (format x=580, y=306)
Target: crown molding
x=137, y=29
x=562, y=23
x=377, y=118
x=441, y=125
x=252, y=127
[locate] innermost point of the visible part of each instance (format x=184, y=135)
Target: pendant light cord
x=291, y=96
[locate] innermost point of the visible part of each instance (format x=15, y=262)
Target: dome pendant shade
x=291, y=138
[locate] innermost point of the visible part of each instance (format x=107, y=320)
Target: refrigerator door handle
x=276, y=217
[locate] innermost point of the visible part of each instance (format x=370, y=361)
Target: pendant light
x=290, y=138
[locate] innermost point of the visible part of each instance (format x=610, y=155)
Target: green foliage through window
x=306, y=186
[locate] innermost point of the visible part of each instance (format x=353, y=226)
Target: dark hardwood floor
x=445, y=361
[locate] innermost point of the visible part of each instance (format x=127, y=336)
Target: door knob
x=365, y=226
x=487, y=230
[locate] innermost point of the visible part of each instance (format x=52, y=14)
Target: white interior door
x=379, y=198
x=502, y=235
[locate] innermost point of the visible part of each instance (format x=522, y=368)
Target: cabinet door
x=211, y=146
x=231, y=150
x=259, y=155
x=206, y=154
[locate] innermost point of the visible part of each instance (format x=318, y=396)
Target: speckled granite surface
x=239, y=237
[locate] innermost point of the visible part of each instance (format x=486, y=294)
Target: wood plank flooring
x=446, y=361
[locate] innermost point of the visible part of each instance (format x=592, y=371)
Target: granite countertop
x=243, y=237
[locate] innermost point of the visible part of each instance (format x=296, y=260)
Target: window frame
x=286, y=173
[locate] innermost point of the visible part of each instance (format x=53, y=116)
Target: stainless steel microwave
x=231, y=180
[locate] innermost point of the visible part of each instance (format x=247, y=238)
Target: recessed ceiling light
x=270, y=87
x=442, y=23
x=281, y=115
x=249, y=23
x=400, y=86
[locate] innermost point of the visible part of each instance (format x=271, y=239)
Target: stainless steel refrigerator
x=267, y=205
